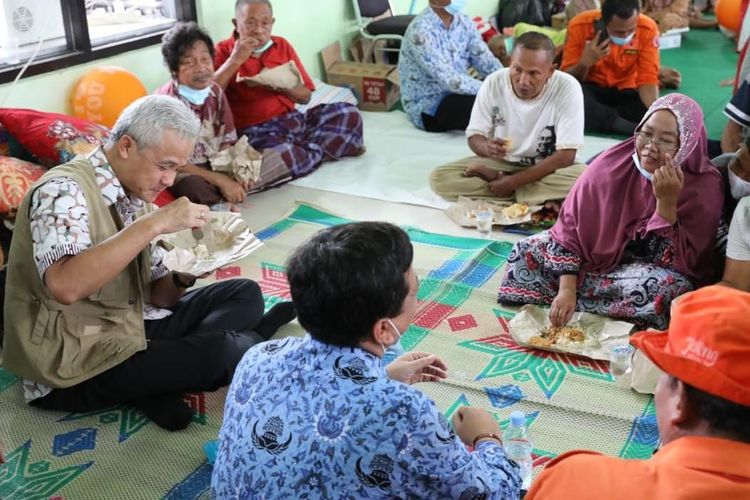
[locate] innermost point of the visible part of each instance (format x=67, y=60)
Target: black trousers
x=195, y=349
x=602, y=105
x=453, y=113
x=197, y=189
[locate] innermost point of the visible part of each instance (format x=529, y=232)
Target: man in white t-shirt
x=526, y=127
x=737, y=264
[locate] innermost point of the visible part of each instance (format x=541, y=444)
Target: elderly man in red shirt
x=702, y=411
x=267, y=115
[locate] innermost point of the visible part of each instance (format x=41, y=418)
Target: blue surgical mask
x=396, y=346
x=645, y=173
x=622, y=41
x=197, y=97
x=265, y=47
x=455, y=7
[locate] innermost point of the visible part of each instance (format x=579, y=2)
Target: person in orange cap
x=702, y=410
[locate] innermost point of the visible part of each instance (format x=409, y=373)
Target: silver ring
x=203, y=215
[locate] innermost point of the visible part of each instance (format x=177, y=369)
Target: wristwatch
x=179, y=283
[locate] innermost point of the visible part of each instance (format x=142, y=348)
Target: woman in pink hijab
x=637, y=230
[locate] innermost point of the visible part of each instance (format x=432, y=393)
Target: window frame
x=80, y=51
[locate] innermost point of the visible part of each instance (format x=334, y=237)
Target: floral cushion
x=52, y=138
x=16, y=177
x=9, y=146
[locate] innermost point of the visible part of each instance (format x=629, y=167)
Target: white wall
x=310, y=25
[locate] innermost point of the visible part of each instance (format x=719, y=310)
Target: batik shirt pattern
x=435, y=61
x=217, y=123
x=304, y=419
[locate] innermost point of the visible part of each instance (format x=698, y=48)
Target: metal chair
x=377, y=22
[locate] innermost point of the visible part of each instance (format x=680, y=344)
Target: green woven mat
x=705, y=59
x=117, y=453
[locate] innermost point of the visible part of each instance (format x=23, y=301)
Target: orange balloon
x=102, y=93
x=728, y=14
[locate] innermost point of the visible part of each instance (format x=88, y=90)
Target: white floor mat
x=399, y=160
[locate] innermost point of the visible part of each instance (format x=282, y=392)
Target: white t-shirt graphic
x=538, y=127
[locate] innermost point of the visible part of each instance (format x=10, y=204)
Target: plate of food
x=224, y=239
x=464, y=212
x=585, y=334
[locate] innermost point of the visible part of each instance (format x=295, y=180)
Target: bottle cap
x=517, y=419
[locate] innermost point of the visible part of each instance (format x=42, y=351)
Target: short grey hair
x=241, y=3
x=146, y=119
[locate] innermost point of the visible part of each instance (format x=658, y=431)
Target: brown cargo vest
x=59, y=345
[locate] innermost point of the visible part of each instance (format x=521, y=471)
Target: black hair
x=346, y=278
x=179, y=40
x=723, y=416
x=747, y=141
x=620, y=8
x=533, y=40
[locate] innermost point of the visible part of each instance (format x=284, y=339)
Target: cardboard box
x=672, y=39
x=375, y=85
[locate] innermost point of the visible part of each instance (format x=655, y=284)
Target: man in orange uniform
x=267, y=115
x=702, y=410
x=614, y=53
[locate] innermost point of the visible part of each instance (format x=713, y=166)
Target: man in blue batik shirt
x=439, y=47
x=321, y=417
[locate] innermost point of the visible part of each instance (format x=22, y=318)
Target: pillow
x=9, y=146
x=51, y=137
x=327, y=94
x=16, y=177
x=5, y=139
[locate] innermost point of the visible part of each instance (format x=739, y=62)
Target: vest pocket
x=40, y=324
x=92, y=342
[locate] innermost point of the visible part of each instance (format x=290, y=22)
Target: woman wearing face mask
x=323, y=414
x=637, y=230
x=188, y=53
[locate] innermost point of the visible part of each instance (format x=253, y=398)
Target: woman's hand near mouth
x=667, y=185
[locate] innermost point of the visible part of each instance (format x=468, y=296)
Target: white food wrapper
x=241, y=161
x=285, y=76
x=600, y=332
x=226, y=237
x=642, y=375
x=461, y=212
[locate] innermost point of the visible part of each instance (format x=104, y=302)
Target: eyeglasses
x=648, y=138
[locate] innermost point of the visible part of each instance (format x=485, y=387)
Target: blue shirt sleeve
x=440, y=463
x=480, y=57
x=438, y=64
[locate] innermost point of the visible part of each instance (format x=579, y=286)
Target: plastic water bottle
x=518, y=445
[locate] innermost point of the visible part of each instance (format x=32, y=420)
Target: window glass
x=114, y=20
x=24, y=24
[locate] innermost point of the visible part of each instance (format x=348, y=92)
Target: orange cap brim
x=654, y=344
